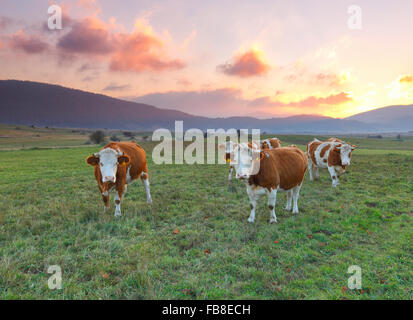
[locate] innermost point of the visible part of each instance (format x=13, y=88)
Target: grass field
x=194, y=242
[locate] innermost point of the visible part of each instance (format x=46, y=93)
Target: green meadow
x=194, y=241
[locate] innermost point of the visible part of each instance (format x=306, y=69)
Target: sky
x=219, y=58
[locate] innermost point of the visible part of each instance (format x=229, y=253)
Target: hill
x=41, y=104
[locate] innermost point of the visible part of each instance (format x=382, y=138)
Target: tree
x=114, y=137
x=97, y=137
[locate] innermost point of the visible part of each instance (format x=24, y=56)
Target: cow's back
x=283, y=167
x=311, y=148
x=136, y=154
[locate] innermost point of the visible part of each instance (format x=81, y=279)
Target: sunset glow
x=218, y=58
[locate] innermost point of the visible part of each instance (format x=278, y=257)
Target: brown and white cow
x=335, y=155
x=267, y=144
x=116, y=165
x=270, y=171
x=271, y=143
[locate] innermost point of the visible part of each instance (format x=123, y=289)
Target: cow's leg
x=310, y=168
x=145, y=181
x=253, y=202
x=105, y=198
x=230, y=174
x=317, y=174
x=120, y=192
x=289, y=200
x=272, y=197
x=296, y=193
x=334, y=176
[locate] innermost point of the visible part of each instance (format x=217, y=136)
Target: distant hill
x=398, y=118
x=40, y=104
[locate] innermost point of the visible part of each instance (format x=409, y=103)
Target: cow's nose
x=109, y=179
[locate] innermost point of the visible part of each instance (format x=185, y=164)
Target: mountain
x=41, y=104
x=397, y=118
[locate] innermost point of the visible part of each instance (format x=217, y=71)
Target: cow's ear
x=92, y=160
x=353, y=147
x=123, y=159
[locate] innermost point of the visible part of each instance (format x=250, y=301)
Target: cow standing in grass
x=335, y=155
x=267, y=144
x=116, y=165
x=269, y=171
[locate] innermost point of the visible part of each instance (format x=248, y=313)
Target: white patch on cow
x=148, y=192
x=272, y=198
x=345, y=150
x=289, y=200
x=108, y=163
x=128, y=177
x=246, y=161
x=317, y=154
x=117, y=206
x=296, y=194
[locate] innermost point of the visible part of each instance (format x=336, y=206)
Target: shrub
x=97, y=137
x=114, y=137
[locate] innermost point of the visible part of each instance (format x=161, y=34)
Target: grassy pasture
x=194, y=242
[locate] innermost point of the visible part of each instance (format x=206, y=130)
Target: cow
x=116, y=165
x=270, y=143
x=269, y=171
x=335, y=155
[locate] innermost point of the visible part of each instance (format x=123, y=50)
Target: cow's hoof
x=273, y=220
x=295, y=211
x=287, y=208
x=117, y=214
x=149, y=201
x=250, y=220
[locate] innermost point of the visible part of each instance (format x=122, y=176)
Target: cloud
x=406, y=79
x=30, y=44
x=88, y=36
x=5, y=22
x=139, y=52
x=226, y=102
x=116, y=87
x=308, y=102
x=247, y=64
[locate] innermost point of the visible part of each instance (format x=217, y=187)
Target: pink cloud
x=406, y=79
x=87, y=37
x=311, y=101
x=30, y=44
x=139, y=52
x=245, y=65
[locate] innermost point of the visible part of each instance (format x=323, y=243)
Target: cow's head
x=108, y=161
x=245, y=158
x=345, y=153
